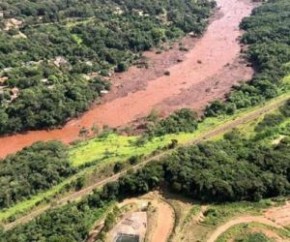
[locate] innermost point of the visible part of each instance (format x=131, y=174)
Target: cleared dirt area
x=207, y=71
x=132, y=225
x=280, y=215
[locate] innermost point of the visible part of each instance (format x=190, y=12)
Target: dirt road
x=247, y=219
x=207, y=71
x=277, y=217
x=165, y=222
x=227, y=126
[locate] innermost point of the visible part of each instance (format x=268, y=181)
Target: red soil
x=165, y=222
x=207, y=72
x=280, y=215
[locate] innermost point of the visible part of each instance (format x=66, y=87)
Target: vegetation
x=254, y=237
x=52, y=53
x=183, y=120
x=253, y=232
x=69, y=223
x=34, y=169
x=269, y=45
x=231, y=169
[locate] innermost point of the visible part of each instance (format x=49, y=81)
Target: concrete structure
x=132, y=228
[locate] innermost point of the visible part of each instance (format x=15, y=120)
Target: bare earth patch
x=280, y=215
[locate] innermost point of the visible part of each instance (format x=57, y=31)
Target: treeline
x=44, y=59
x=232, y=169
x=267, y=34
x=183, y=120
x=34, y=169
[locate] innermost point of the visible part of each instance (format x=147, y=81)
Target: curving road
x=240, y=220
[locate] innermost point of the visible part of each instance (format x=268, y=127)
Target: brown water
x=218, y=48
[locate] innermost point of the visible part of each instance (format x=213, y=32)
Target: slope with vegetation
x=32, y=170
x=52, y=60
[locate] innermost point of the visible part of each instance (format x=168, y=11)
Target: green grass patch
x=194, y=211
x=77, y=39
x=119, y=148
x=26, y=205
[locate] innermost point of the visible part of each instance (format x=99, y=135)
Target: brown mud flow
x=207, y=72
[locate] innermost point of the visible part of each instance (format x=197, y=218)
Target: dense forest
x=54, y=53
x=183, y=120
x=267, y=34
x=34, y=169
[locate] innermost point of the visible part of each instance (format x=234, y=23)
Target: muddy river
x=207, y=71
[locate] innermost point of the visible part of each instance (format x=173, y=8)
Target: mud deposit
x=207, y=71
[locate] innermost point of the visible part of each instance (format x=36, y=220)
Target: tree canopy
x=34, y=169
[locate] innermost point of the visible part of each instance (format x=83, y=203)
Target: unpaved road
x=165, y=222
x=277, y=217
x=246, y=219
x=207, y=72
x=227, y=126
